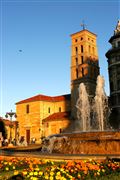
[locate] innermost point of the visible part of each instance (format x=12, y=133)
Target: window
x=118, y=84
x=82, y=61
x=27, y=108
x=82, y=48
x=60, y=130
x=117, y=58
x=59, y=109
x=89, y=49
x=76, y=49
x=118, y=43
x=76, y=61
x=82, y=71
x=47, y=125
x=76, y=73
x=93, y=51
x=49, y=110
x=111, y=86
x=118, y=98
x=75, y=40
x=113, y=100
x=81, y=38
x=118, y=69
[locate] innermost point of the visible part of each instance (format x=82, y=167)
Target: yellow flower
x=31, y=173
x=16, y=172
x=98, y=173
x=103, y=170
x=5, y=163
x=51, y=173
x=35, y=173
x=34, y=178
x=46, y=177
x=58, y=173
x=7, y=169
x=13, y=167
x=53, y=169
x=10, y=163
x=24, y=172
x=51, y=177
x=40, y=173
x=37, y=169
x=79, y=176
x=63, y=178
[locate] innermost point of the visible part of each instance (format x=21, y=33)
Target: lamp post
x=10, y=114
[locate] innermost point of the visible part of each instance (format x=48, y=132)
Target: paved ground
x=53, y=156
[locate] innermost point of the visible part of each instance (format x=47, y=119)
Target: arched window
x=76, y=61
x=81, y=48
x=76, y=49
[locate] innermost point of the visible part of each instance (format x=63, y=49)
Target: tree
x=2, y=128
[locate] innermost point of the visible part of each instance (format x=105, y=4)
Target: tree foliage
x=2, y=128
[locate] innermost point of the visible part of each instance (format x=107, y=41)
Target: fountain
x=100, y=107
x=83, y=109
x=92, y=138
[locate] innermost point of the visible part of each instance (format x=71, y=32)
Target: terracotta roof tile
x=59, y=115
x=41, y=97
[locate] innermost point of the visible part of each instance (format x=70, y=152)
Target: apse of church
x=84, y=65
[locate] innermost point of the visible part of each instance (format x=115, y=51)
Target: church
x=40, y=116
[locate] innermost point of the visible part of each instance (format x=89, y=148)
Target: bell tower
x=84, y=65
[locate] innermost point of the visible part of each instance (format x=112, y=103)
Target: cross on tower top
x=83, y=25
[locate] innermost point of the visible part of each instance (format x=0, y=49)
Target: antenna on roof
x=83, y=25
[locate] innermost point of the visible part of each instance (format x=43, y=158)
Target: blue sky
x=41, y=29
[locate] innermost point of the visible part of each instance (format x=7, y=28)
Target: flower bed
x=66, y=170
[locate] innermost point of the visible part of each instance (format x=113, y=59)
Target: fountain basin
x=104, y=142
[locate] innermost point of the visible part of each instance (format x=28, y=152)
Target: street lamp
x=10, y=114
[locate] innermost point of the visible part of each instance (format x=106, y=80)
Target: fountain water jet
x=100, y=106
x=83, y=109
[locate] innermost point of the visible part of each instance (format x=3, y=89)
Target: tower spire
x=117, y=30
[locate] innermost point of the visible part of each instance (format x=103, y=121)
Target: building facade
x=84, y=65
x=32, y=111
x=113, y=56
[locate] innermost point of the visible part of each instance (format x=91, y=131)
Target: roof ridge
x=42, y=97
